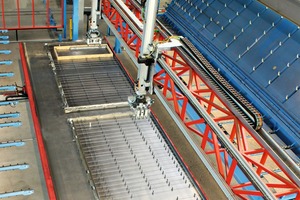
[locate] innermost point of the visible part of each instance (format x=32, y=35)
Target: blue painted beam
x=7, y=74
x=4, y=37
x=8, y=103
x=12, y=144
x=10, y=124
x=8, y=88
x=16, y=193
x=117, y=47
x=5, y=52
x=6, y=62
x=4, y=42
x=14, y=167
x=65, y=19
x=75, y=20
x=10, y=115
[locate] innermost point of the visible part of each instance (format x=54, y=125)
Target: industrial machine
x=225, y=71
x=93, y=36
x=150, y=51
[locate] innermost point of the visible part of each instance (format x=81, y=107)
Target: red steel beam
x=32, y=14
x=18, y=13
x=33, y=17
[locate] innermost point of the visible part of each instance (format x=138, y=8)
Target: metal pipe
x=128, y=16
x=149, y=24
x=93, y=22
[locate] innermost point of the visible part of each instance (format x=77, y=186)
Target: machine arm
x=150, y=51
x=93, y=36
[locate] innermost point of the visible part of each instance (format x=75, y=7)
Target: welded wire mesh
x=92, y=82
x=129, y=159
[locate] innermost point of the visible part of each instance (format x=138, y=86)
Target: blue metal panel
x=255, y=48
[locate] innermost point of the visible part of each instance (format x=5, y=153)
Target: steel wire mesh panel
x=129, y=159
x=92, y=82
x=31, y=14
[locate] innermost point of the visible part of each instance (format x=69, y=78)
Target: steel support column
x=65, y=19
x=75, y=24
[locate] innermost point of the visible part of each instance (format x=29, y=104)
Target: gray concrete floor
x=67, y=170
x=288, y=8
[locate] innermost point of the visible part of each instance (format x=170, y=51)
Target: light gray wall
x=287, y=8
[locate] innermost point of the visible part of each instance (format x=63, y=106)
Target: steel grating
x=92, y=84
x=129, y=159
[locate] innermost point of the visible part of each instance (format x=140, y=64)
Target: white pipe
x=93, y=22
x=149, y=24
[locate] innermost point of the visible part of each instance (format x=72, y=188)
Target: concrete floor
x=66, y=167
